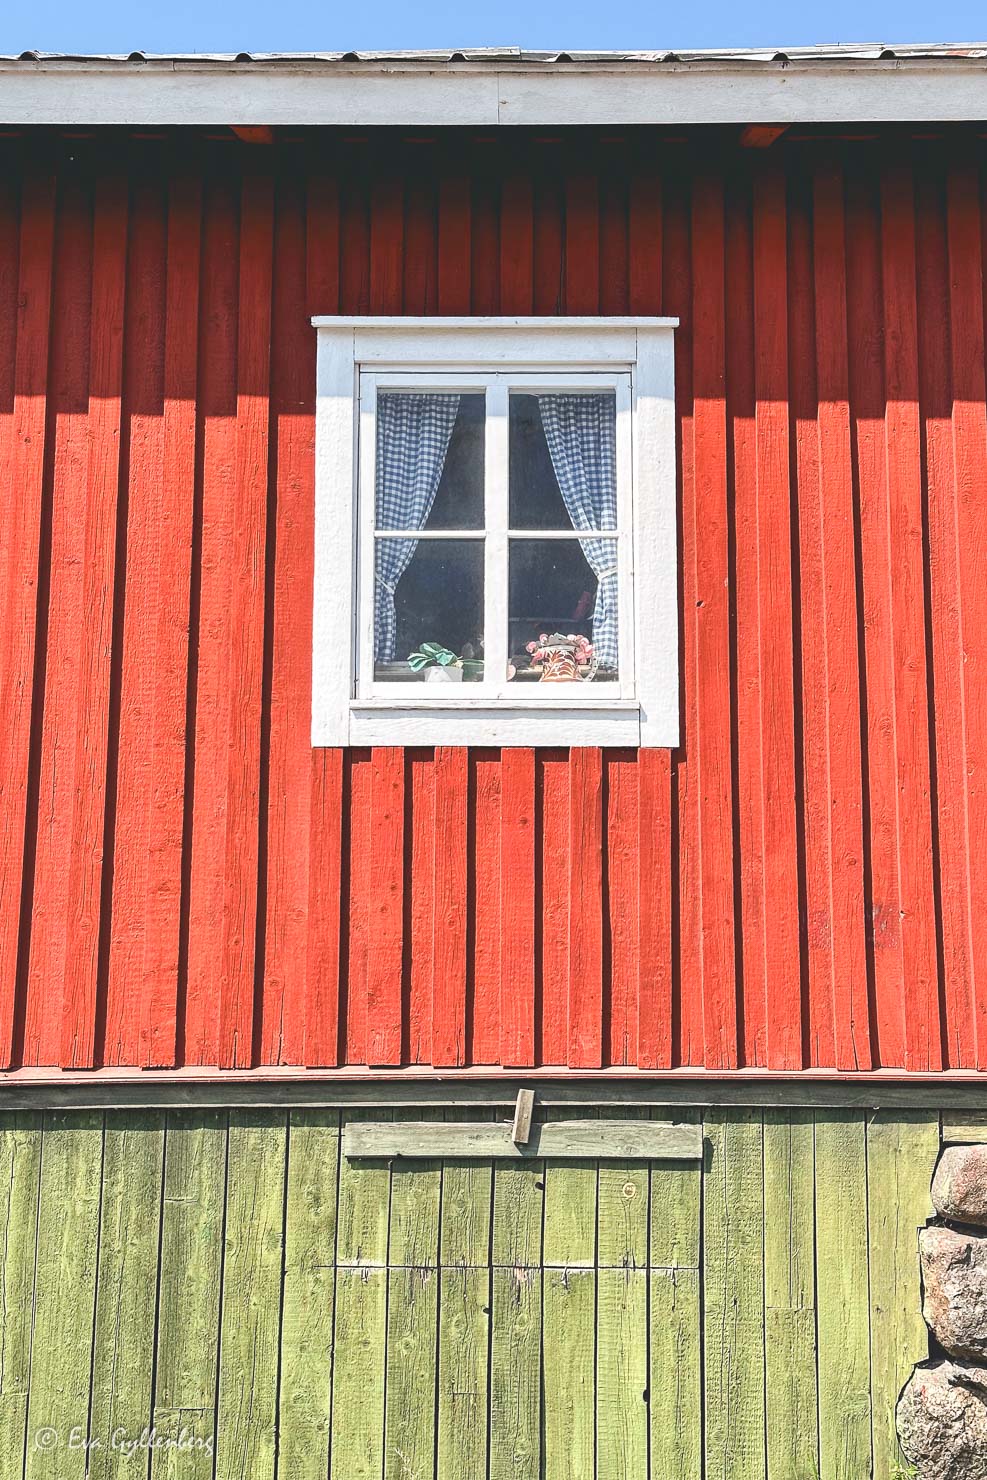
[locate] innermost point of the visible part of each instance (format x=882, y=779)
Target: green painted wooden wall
x=228, y=1278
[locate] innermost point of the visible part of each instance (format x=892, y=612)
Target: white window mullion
x=495, y=645
x=366, y=525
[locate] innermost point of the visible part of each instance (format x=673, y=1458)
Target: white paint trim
x=636, y=356
x=299, y=92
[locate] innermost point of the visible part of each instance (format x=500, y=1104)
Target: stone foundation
x=942, y=1411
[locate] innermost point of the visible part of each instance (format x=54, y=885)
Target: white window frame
x=357, y=357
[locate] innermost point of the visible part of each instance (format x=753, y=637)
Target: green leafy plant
x=433, y=655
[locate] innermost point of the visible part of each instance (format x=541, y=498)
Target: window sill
x=475, y=722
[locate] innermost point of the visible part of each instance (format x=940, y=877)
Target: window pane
x=567, y=589
x=428, y=592
x=563, y=471
x=429, y=460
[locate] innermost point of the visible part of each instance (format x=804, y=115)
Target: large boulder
x=954, y=1276
x=959, y=1188
x=942, y=1421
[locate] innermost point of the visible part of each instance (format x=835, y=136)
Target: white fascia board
x=217, y=94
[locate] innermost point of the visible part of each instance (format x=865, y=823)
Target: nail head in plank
x=613, y=1139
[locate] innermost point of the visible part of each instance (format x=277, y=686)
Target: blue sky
x=303, y=25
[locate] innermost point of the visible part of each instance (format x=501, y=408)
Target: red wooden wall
x=183, y=881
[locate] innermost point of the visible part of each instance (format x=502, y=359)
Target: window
x=495, y=533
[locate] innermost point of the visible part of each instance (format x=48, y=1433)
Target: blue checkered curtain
x=581, y=433
x=413, y=433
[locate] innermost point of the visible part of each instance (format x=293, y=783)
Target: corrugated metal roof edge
x=508, y=56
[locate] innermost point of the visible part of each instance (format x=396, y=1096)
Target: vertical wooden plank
x=839, y=1025
x=247, y=558
x=189, y=1288
x=295, y=913
x=623, y=1198
x=358, y=1375
x=708, y=618
x=467, y=1196
x=20, y=1171
x=211, y=605
x=420, y=290
x=247, y=1407
x=962, y=532
x=789, y=1295
x=356, y=901
x=126, y=1287
x=464, y=1318
x=516, y=1375
x=654, y=860
x=906, y=573
x=421, y=882
x=516, y=245
x=132, y=681
x=449, y=903
x=622, y=1395
x=675, y=1380
x=586, y=923
x=23, y=448
x=549, y=224
x=517, y=913
x=552, y=904
x=363, y=1206
x=68, y=414
x=484, y=910
x=78, y=1036
x=733, y=1298
x=386, y=240
x=645, y=241
x=902, y=1149
x=64, y=1293
x=776, y=731
x=454, y=241
x=842, y=1327
x=322, y=979
x=518, y=1210
x=385, y=950
x=309, y=1290
x=162, y=908
x=621, y=926
x=582, y=244
x=412, y=1337
x=568, y=1380
x=570, y=1222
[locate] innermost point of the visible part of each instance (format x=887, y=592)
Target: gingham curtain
x=413, y=434
x=581, y=436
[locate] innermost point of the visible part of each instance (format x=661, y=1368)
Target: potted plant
x=436, y=663
x=561, y=656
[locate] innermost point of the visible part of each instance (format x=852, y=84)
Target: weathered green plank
x=364, y=1203
x=619, y=1139
x=126, y=1287
x=358, y=1374
x=959, y=1128
x=622, y=1206
x=734, y=1296
x=622, y=1373
x=416, y=1188
x=412, y=1322
x=518, y=1209
x=65, y=1294
x=568, y=1342
x=570, y=1211
x=676, y=1379
x=901, y=1155
x=464, y=1305
x=309, y=1288
x=247, y=1412
x=842, y=1323
x=20, y=1171
x=515, y=1375
x=467, y=1189
x=789, y=1298
x=189, y=1289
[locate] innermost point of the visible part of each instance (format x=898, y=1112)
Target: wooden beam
x=523, y=1111
x=761, y=135
x=616, y=1140
x=971, y=1127
x=253, y=133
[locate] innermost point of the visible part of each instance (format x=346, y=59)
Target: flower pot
x=559, y=663
x=450, y=674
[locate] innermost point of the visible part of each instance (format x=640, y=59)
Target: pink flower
x=531, y=647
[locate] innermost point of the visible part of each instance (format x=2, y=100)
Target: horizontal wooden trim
x=615, y=1140
x=362, y=1088
x=970, y=1127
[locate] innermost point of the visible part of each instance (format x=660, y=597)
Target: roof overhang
x=501, y=88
